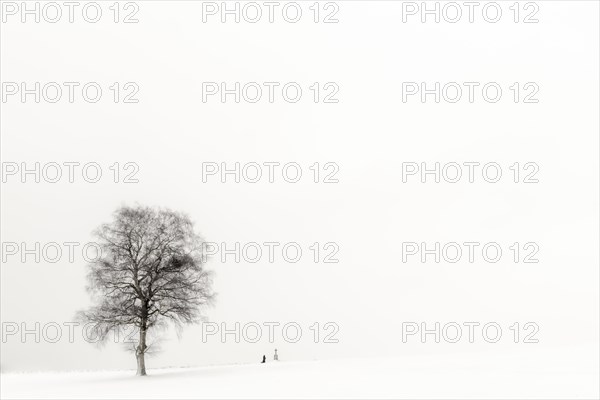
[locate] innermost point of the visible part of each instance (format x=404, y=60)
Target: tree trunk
x=140, y=352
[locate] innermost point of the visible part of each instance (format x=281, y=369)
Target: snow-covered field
x=448, y=376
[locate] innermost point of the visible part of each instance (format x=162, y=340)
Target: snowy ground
x=448, y=376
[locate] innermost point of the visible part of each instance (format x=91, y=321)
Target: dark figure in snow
x=264, y=359
x=276, y=357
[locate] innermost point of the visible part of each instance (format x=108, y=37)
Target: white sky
x=369, y=133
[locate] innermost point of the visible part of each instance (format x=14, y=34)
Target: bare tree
x=150, y=272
